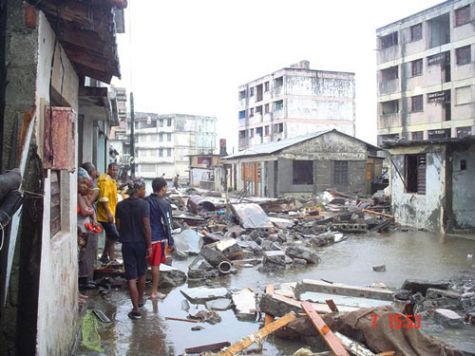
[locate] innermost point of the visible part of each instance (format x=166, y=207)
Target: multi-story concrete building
x=294, y=101
x=426, y=74
x=163, y=143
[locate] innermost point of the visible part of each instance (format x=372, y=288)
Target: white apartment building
x=163, y=143
x=294, y=101
x=426, y=74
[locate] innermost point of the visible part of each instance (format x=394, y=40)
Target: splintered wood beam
x=354, y=347
x=331, y=340
x=269, y=318
x=258, y=335
x=206, y=348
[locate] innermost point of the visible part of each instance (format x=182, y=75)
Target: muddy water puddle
x=415, y=255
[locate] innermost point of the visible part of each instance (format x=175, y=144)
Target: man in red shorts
x=161, y=224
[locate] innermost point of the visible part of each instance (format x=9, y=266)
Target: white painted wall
x=57, y=305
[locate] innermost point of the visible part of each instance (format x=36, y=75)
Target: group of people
x=143, y=225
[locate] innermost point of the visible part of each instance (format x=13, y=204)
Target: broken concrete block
x=188, y=241
x=212, y=256
x=276, y=258
x=379, y=268
x=270, y=246
x=219, y=304
x=206, y=316
x=296, y=251
x=200, y=268
x=421, y=286
x=448, y=317
x=299, y=261
x=230, y=249
x=251, y=216
x=203, y=294
x=252, y=246
x=434, y=293
x=235, y=231
x=245, y=303
x=171, y=277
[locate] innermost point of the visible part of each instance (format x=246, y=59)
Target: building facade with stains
x=305, y=165
x=426, y=74
x=294, y=101
x=55, y=57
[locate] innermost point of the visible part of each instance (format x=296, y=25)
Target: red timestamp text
x=399, y=321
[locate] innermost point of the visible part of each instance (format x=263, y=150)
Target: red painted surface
x=59, y=138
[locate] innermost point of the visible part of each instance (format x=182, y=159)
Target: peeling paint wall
x=463, y=188
x=423, y=211
x=57, y=307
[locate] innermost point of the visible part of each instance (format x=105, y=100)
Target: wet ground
x=406, y=255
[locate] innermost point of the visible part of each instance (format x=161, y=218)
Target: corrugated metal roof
x=273, y=147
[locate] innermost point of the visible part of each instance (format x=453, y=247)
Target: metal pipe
x=225, y=267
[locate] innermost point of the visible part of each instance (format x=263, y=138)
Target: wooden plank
x=269, y=318
x=331, y=340
x=206, y=348
x=354, y=347
x=181, y=319
x=331, y=304
x=371, y=212
x=258, y=335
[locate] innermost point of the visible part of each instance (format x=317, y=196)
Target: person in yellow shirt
x=106, y=206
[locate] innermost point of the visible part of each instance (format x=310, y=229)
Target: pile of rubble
x=277, y=233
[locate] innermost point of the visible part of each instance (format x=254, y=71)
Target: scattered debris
x=245, y=304
x=219, y=304
x=379, y=268
x=251, y=216
x=207, y=348
x=181, y=319
x=202, y=294
x=206, y=316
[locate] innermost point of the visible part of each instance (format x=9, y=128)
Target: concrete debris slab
x=296, y=251
x=219, y=304
x=299, y=261
x=342, y=300
x=276, y=258
x=282, y=223
x=213, y=256
x=421, y=286
x=348, y=227
x=190, y=239
x=251, y=216
x=448, y=317
x=200, y=268
x=185, y=305
x=203, y=294
x=245, y=303
x=379, y=268
x=309, y=285
x=230, y=248
x=434, y=293
x=170, y=276
x=286, y=289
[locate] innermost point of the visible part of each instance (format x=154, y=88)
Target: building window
x=463, y=95
x=169, y=137
x=160, y=137
x=252, y=91
x=278, y=82
x=417, y=103
x=242, y=134
x=160, y=152
x=464, y=131
x=259, y=131
x=279, y=128
x=278, y=105
x=383, y=139
x=266, y=86
x=169, y=152
x=251, y=112
x=416, y=32
x=340, y=172
x=416, y=67
x=440, y=134
x=415, y=173
x=417, y=136
x=242, y=94
x=390, y=73
x=462, y=16
x=389, y=40
x=302, y=172
x=160, y=122
x=463, y=165
x=251, y=133
x=259, y=109
x=169, y=122
x=147, y=168
x=390, y=107
x=266, y=131
x=463, y=55
x=242, y=114
x=266, y=108
x=55, y=204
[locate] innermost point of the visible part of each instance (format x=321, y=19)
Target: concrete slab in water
x=219, y=304
x=245, y=302
x=343, y=300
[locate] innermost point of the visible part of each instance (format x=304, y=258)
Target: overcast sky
x=189, y=56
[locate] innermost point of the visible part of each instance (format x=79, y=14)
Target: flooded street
x=415, y=255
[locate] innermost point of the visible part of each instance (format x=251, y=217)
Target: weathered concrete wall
x=423, y=211
x=462, y=189
x=57, y=311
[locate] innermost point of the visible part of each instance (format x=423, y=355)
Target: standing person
x=161, y=224
x=106, y=206
x=175, y=181
x=133, y=222
x=92, y=171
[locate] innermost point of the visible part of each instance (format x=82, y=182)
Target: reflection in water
x=406, y=255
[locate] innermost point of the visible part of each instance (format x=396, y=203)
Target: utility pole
x=132, y=136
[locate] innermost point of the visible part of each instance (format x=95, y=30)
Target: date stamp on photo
x=398, y=321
